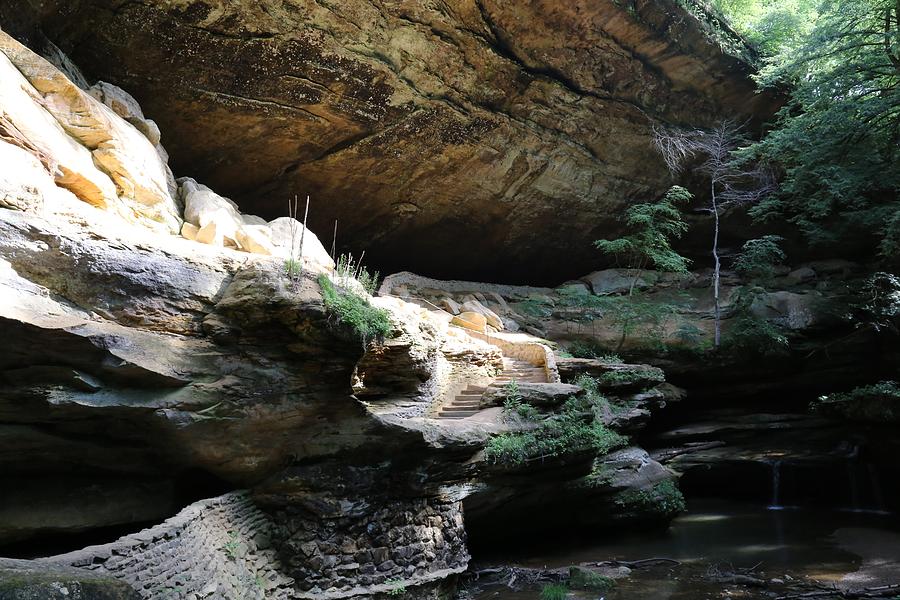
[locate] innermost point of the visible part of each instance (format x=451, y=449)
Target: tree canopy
x=837, y=141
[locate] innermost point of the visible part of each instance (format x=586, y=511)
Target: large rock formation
x=147, y=369
x=442, y=135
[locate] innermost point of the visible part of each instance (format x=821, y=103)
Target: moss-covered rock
x=28, y=580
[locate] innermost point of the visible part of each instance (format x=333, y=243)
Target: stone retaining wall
x=227, y=548
x=534, y=352
x=215, y=548
x=398, y=545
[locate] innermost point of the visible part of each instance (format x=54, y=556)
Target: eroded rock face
x=422, y=127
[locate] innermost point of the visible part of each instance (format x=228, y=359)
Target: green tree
x=733, y=180
x=837, y=142
x=759, y=257
x=653, y=226
x=772, y=26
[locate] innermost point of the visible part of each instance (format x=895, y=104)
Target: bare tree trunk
x=716, y=269
x=637, y=275
x=302, y=235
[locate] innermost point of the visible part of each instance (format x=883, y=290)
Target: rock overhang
x=471, y=140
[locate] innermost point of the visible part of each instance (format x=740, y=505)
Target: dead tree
x=732, y=180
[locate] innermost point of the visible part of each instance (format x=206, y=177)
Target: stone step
x=456, y=415
x=455, y=406
x=459, y=409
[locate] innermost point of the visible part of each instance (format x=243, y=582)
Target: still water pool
x=850, y=550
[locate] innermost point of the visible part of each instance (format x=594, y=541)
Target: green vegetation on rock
x=554, y=591
x=573, y=430
x=514, y=406
x=662, y=500
x=877, y=403
x=585, y=579
x=354, y=310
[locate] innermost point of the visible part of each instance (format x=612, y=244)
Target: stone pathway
x=468, y=401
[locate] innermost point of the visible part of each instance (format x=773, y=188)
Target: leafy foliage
x=654, y=225
x=759, y=257
x=570, y=431
x=751, y=335
x=589, y=348
x=771, y=26
x=625, y=377
x=879, y=303
x=514, y=406
x=348, y=268
x=877, y=403
x=630, y=314
x=837, y=142
x=353, y=309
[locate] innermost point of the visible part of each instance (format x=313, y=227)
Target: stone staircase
x=468, y=401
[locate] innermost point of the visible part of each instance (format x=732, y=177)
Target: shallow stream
x=715, y=537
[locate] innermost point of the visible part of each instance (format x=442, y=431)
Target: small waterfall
x=776, y=486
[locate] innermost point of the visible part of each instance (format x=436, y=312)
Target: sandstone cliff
x=442, y=135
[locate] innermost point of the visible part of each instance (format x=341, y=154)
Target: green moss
x=631, y=376
x=355, y=311
x=554, y=591
x=663, y=500
x=585, y=579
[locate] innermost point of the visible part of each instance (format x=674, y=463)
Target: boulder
x=256, y=239
x=143, y=181
x=287, y=231
x=787, y=309
x=470, y=320
x=490, y=316
x=450, y=305
x=43, y=136
x=616, y=281
x=543, y=395
x=214, y=216
x=801, y=275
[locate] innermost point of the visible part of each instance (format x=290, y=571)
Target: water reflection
x=782, y=545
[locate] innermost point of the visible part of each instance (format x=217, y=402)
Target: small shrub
x=397, y=587
x=759, y=257
x=354, y=310
x=585, y=579
x=623, y=377
x=755, y=336
x=554, y=591
x=514, y=405
x=232, y=546
x=347, y=268
x=292, y=268
x=588, y=349
x=877, y=403
x=570, y=432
